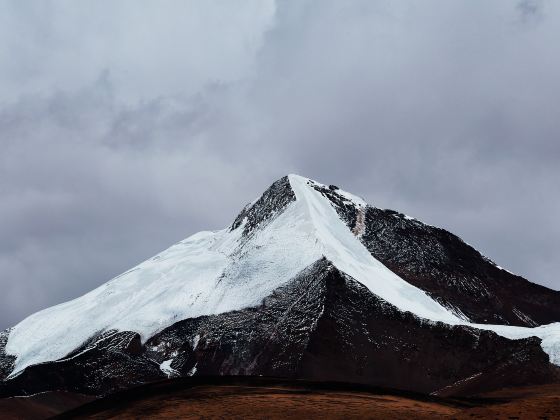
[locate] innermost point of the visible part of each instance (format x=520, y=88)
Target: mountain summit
x=308, y=282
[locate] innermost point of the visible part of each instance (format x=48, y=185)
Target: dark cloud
x=116, y=141
x=530, y=9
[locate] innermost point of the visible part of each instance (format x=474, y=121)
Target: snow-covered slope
x=216, y=272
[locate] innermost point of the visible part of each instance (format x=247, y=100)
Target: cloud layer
x=126, y=130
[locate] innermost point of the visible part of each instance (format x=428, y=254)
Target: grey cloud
x=114, y=150
x=530, y=9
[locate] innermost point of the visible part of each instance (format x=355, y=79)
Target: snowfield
x=215, y=272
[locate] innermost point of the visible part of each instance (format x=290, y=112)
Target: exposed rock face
x=456, y=274
x=272, y=202
x=322, y=326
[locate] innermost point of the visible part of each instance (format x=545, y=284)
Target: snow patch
x=166, y=368
x=195, y=341
x=192, y=371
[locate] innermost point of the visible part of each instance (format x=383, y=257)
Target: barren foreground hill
x=257, y=398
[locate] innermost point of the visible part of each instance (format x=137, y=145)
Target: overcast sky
x=126, y=126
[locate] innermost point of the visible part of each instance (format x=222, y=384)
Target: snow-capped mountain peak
x=289, y=228
x=294, y=224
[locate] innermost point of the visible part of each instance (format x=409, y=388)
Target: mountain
x=308, y=282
